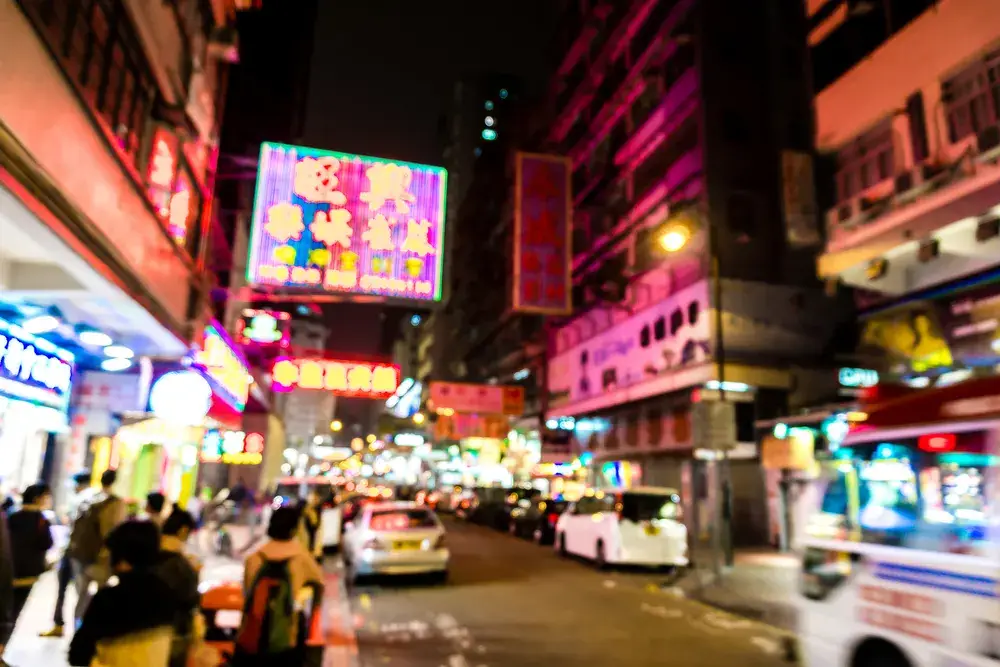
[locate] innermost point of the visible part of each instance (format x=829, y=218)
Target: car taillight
x=373, y=544
x=553, y=519
x=439, y=543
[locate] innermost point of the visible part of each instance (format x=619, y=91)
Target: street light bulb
x=336, y=425
x=371, y=438
x=674, y=238
x=419, y=418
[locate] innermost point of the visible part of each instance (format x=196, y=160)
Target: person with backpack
x=87, y=549
x=82, y=494
x=30, y=539
x=275, y=578
x=129, y=624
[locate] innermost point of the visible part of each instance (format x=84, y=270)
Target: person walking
x=129, y=624
x=155, y=502
x=312, y=525
x=30, y=539
x=278, y=577
x=180, y=572
x=87, y=548
x=83, y=493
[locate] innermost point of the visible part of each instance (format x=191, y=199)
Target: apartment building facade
x=913, y=140
x=677, y=120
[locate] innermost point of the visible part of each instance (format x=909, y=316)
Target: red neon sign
x=937, y=442
x=342, y=378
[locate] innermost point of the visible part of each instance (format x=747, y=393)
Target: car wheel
x=600, y=559
x=562, y=545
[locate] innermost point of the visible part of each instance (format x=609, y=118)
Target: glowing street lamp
x=336, y=425
x=370, y=439
x=419, y=418
x=674, y=237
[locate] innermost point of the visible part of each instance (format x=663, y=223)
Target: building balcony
x=916, y=143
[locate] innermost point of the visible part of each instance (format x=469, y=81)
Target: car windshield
x=649, y=506
x=402, y=519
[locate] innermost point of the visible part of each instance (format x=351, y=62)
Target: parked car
x=641, y=526
x=536, y=519
x=395, y=538
x=512, y=501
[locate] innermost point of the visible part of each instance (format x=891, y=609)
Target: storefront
x=188, y=405
x=35, y=388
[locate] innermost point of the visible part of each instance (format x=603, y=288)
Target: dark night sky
x=382, y=70
x=382, y=73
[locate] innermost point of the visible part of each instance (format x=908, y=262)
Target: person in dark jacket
x=179, y=572
x=6, y=587
x=131, y=623
x=31, y=539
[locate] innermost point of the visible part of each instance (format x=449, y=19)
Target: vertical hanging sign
x=543, y=205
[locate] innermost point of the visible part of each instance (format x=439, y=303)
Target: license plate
x=228, y=618
x=406, y=546
x=652, y=530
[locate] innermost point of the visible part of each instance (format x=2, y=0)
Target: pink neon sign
x=342, y=223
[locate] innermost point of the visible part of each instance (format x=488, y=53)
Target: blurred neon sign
x=225, y=367
x=342, y=378
x=264, y=327
x=32, y=369
x=339, y=222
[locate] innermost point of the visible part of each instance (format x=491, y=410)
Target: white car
x=641, y=526
x=395, y=538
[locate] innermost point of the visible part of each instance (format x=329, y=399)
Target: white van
x=641, y=526
x=901, y=564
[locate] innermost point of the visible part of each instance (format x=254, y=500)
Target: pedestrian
x=82, y=494
x=312, y=524
x=87, y=541
x=277, y=579
x=30, y=540
x=155, y=503
x=6, y=588
x=180, y=572
x=129, y=624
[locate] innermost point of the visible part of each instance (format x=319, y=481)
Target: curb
x=338, y=628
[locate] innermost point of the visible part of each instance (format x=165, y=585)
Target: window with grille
x=866, y=161
x=972, y=98
x=98, y=51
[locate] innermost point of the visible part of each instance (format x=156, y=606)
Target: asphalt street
x=510, y=603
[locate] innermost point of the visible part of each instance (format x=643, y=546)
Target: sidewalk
x=762, y=585
x=27, y=649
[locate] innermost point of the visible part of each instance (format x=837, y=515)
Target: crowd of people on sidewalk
x=137, y=584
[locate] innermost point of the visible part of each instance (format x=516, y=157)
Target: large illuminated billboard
x=347, y=224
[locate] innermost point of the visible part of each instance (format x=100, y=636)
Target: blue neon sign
x=32, y=369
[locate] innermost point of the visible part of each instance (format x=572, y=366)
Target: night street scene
x=535, y=333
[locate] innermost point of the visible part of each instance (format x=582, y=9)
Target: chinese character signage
x=341, y=378
x=227, y=369
x=479, y=398
x=232, y=448
x=33, y=370
x=347, y=224
x=264, y=327
x=543, y=205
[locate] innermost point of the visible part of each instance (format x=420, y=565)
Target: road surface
x=510, y=603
